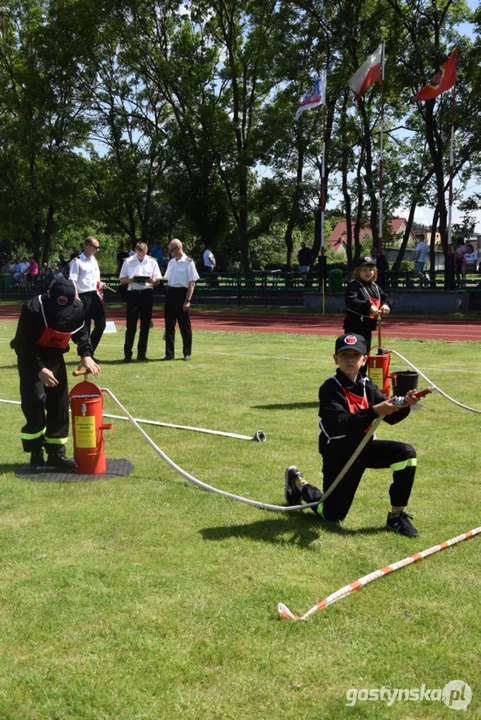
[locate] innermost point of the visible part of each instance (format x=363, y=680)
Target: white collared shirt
x=132, y=267
x=181, y=272
x=209, y=259
x=85, y=272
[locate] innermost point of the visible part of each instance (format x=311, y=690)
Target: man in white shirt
x=181, y=276
x=140, y=273
x=209, y=260
x=85, y=275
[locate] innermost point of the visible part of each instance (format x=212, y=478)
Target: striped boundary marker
x=284, y=611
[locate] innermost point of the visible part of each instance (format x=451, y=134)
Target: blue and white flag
x=316, y=95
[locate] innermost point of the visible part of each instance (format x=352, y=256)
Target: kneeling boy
x=349, y=403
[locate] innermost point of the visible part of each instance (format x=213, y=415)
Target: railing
x=261, y=287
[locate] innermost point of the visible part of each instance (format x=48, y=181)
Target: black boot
x=58, y=459
x=36, y=459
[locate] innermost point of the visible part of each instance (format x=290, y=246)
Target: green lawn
x=144, y=597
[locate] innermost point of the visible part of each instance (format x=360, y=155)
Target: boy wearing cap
x=46, y=325
x=365, y=301
x=349, y=403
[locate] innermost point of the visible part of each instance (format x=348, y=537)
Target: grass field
x=145, y=597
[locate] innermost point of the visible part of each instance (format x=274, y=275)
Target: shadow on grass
x=10, y=467
x=285, y=531
x=287, y=406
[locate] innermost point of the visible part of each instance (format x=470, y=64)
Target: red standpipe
x=378, y=370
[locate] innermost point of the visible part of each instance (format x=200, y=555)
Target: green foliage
x=151, y=120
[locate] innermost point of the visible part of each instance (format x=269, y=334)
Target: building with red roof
x=337, y=240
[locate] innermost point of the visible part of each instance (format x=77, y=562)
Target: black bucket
x=404, y=381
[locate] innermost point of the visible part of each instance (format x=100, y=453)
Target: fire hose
x=435, y=387
x=258, y=436
x=232, y=496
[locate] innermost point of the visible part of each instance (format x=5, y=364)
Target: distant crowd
x=27, y=272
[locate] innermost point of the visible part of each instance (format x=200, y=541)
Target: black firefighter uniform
x=44, y=330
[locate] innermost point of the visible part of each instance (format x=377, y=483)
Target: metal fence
x=261, y=288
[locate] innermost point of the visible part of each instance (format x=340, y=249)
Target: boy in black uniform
x=349, y=403
x=365, y=302
x=46, y=324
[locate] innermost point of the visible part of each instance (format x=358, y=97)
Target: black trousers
x=94, y=310
x=174, y=312
x=139, y=306
x=398, y=456
x=45, y=409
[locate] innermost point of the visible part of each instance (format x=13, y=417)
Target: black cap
x=351, y=341
x=61, y=296
x=368, y=260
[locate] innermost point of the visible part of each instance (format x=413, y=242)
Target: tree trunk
x=47, y=234
x=294, y=206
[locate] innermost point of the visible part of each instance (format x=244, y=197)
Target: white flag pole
x=381, y=149
x=451, y=169
x=323, y=185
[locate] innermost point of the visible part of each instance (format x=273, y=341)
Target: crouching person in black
x=349, y=403
x=46, y=325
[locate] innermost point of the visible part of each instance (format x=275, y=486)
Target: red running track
x=305, y=324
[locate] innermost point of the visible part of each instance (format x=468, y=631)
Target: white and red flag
x=316, y=95
x=368, y=73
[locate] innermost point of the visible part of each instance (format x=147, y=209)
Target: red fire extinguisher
x=86, y=402
x=378, y=369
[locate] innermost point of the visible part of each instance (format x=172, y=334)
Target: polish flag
x=367, y=74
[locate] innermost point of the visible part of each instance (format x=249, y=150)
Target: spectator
x=304, y=258
x=420, y=258
x=209, y=260
x=48, y=276
x=157, y=254
x=32, y=273
x=471, y=256
x=460, y=261
x=121, y=256
x=20, y=269
x=17, y=269
x=74, y=254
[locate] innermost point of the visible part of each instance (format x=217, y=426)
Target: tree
x=43, y=57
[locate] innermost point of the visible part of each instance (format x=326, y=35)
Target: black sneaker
x=61, y=461
x=291, y=491
x=167, y=357
x=37, y=460
x=401, y=523
x=142, y=358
